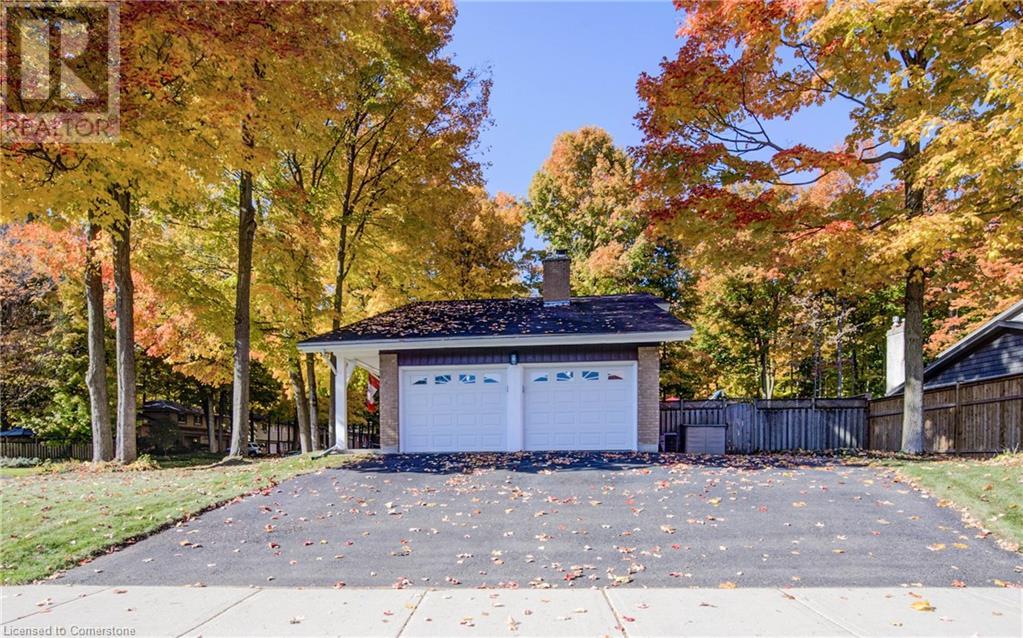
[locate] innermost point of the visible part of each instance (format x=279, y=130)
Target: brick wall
x=648, y=402
x=388, y=402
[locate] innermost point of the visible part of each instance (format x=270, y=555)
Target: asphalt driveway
x=571, y=520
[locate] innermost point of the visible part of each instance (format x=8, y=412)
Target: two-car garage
x=554, y=372
x=536, y=407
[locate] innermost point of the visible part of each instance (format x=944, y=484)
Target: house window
x=491, y=378
x=590, y=375
x=182, y=418
x=441, y=379
x=541, y=378
x=467, y=378
x=564, y=375
x=419, y=380
x=614, y=376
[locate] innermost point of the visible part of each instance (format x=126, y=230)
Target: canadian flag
x=372, y=390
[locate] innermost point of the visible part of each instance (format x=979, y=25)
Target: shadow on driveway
x=535, y=462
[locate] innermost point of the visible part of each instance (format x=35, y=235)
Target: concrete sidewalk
x=68, y=610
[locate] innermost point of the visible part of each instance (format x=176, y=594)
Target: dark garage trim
x=536, y=354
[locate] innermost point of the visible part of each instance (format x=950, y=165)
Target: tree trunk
x=211, y=423
x=301, y=413
x=96, y=376
x=335, y=320
x=242, y=311
x=125, y=306
x=314, y=403
x=913, y=336
x=913, y=409
x=838, y=350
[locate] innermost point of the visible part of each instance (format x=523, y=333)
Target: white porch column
x=341, y=377
x=516, y=422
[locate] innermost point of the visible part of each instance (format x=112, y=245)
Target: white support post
x=341, y=410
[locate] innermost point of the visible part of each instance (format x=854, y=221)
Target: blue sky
x=559, y=66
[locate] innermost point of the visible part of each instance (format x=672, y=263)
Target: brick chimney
x=556, y=271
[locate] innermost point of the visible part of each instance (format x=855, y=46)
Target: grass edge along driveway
x=49, y=522
x=989, y=492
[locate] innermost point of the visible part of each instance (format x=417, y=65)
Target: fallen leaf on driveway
x=667, y=529
x=937, y=547
x=922, y=605
x=799, y=504
x=727, y=585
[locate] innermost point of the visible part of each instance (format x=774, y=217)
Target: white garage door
x=453, y=410
x=585, y=407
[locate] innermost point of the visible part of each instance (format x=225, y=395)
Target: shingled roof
x=612, y=314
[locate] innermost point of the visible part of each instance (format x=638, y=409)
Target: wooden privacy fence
x=774, y=425
x=968, y=418
x=45, y=450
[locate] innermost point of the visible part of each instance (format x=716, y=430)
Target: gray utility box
x=705, y=439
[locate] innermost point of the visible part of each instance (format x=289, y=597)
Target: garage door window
x=419, y=380
x=590, y=375
x=441, y=379
x=614, y=376
x=467, y=378
x=541, y=378
x=491, y=378
x=565, y=375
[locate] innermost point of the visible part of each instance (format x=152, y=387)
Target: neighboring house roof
x=13, y=432
x=169, y=406
x=1009, y=322
x=523, y=317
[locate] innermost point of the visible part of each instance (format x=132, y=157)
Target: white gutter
x=519, y=341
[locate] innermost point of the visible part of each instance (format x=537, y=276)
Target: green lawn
x=990, y=490
x=50, y=521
